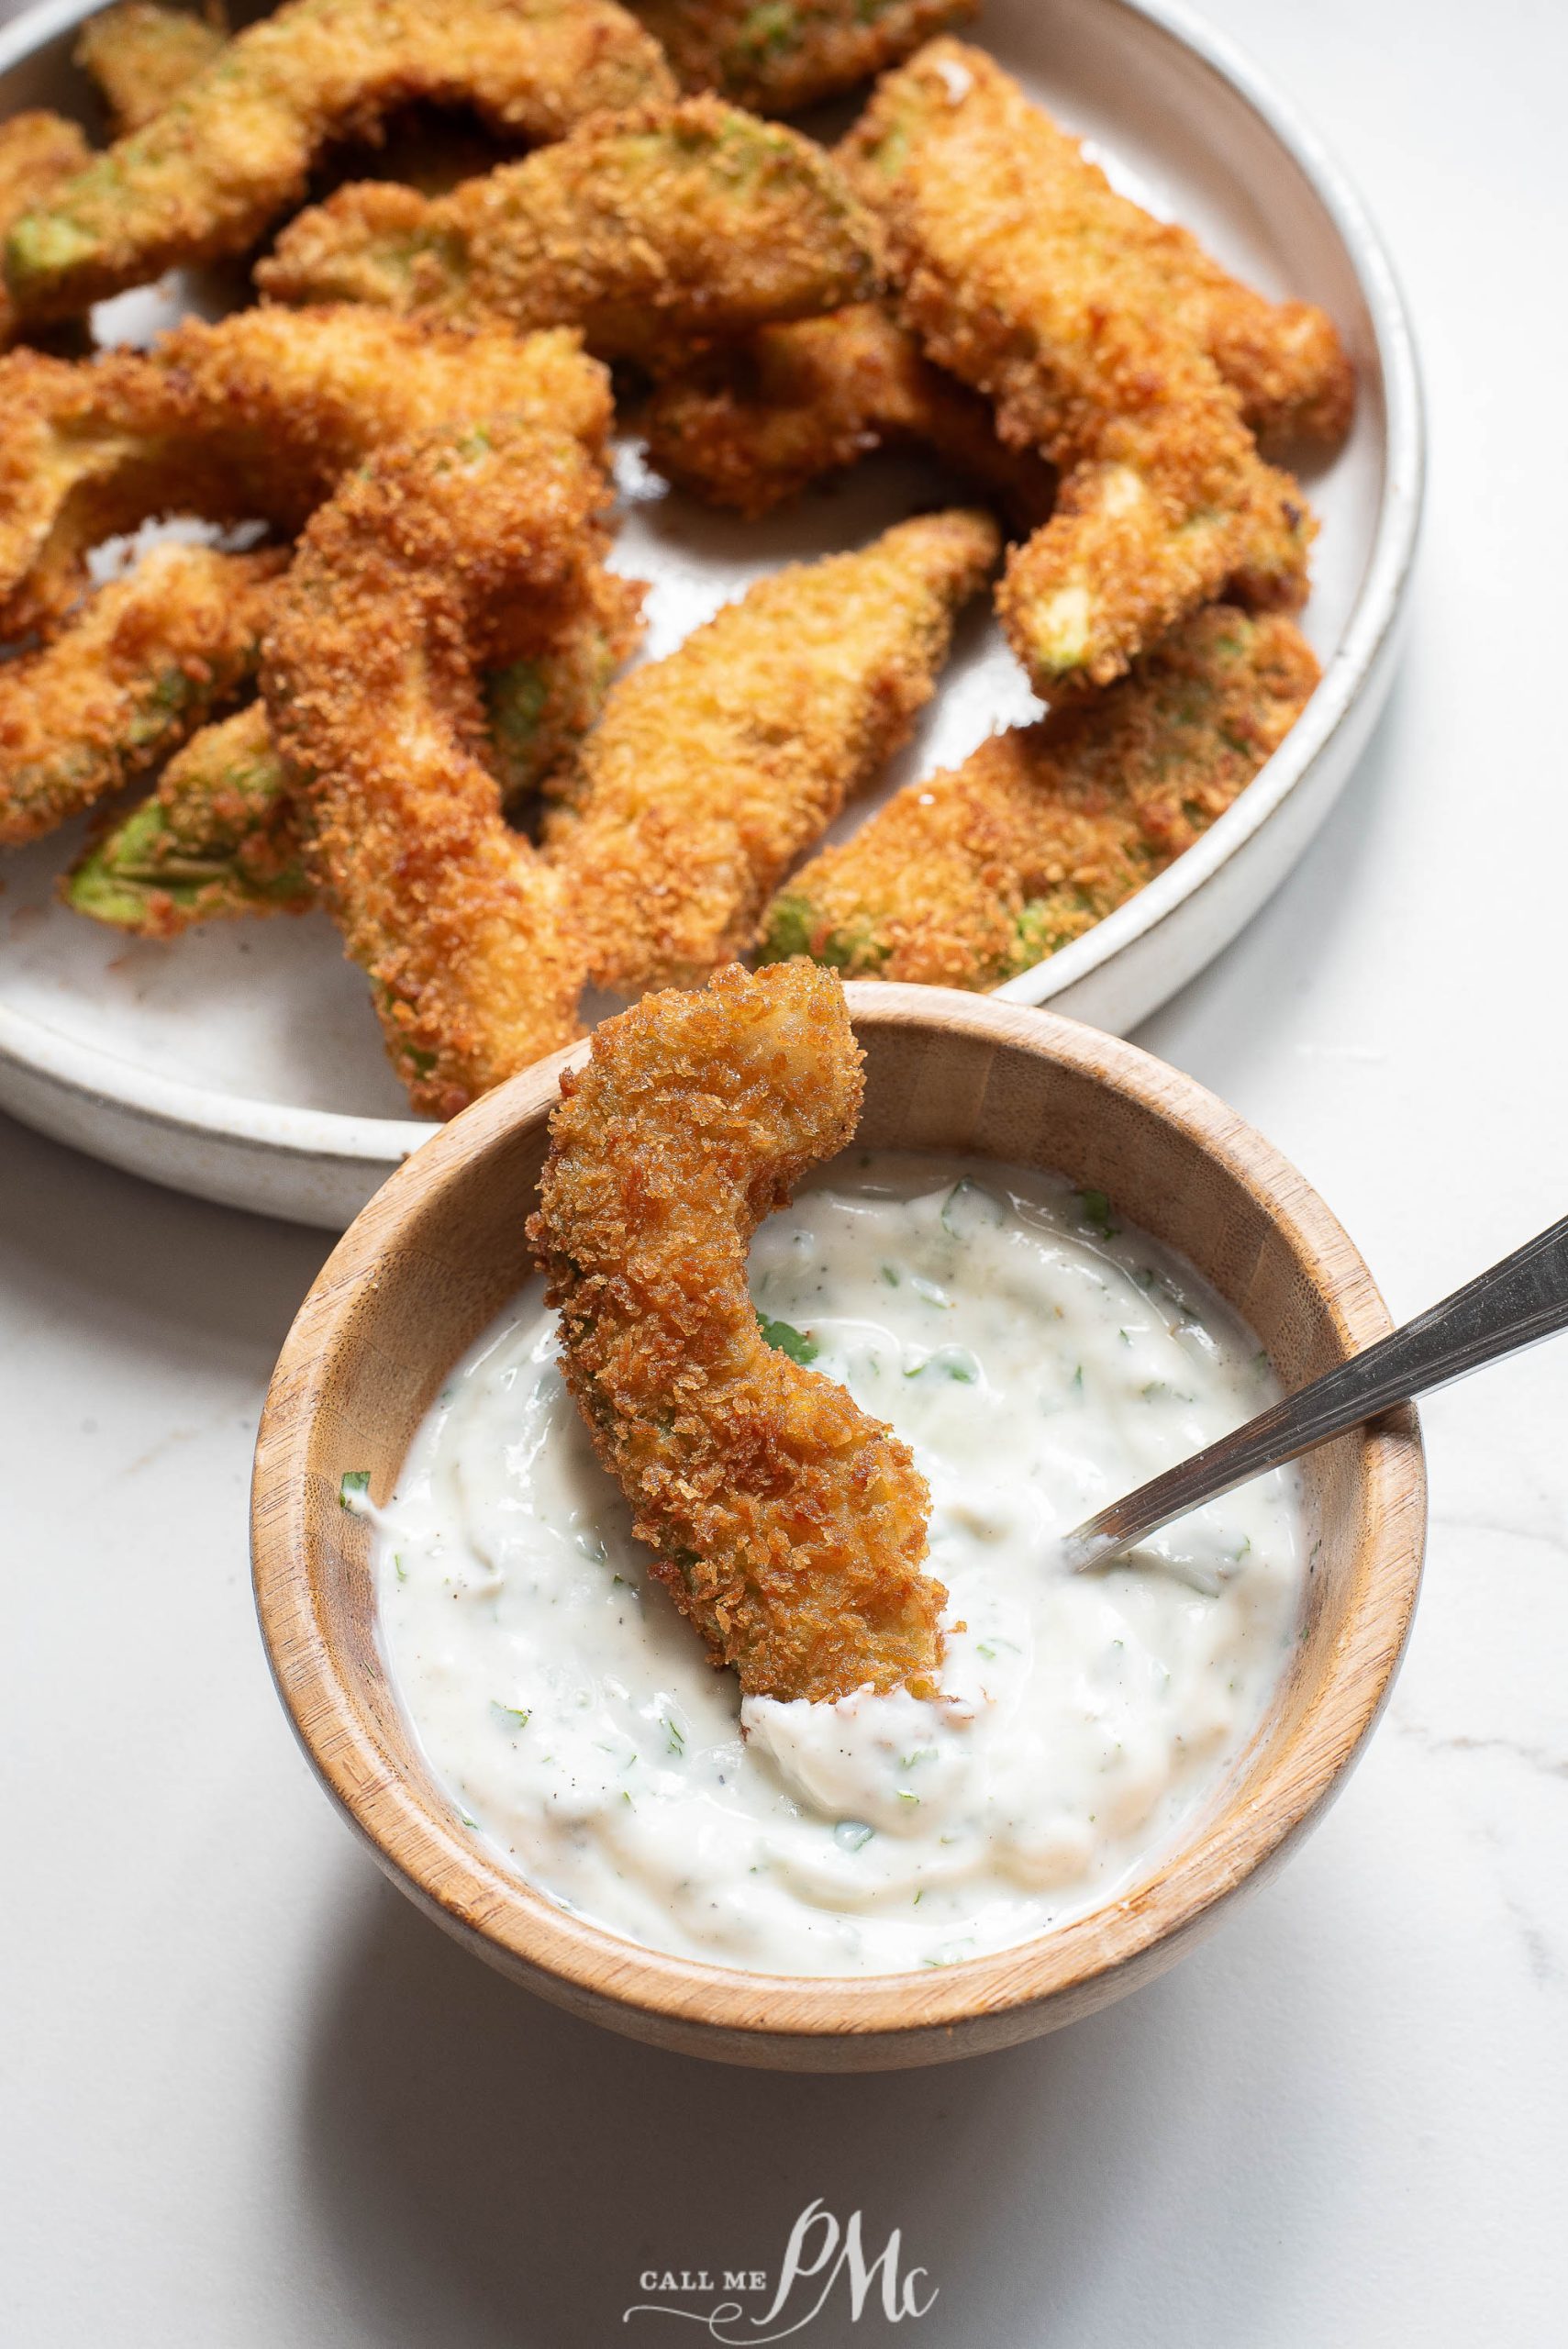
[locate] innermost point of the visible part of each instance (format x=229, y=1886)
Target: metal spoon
x=1518, y=1302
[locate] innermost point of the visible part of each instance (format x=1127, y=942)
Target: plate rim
x=1376, y=614
x=98, y=1075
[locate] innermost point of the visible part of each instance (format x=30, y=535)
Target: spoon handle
x=1519, y=1301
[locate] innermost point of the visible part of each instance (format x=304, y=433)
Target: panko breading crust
x=39, y=152
x=971, y=876
x=779, y=56
x=1283, y=360
x=1017, y=268
x=648, y=230
x=141, y=55
x=788, y=1526
x=440, y=557
x=221, y=835
x=148, y=659
x=711, y=771
x=256, y=418
x=234, y=150
x=751, y=429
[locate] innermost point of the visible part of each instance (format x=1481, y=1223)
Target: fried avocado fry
x=221, y=835
x=234, y=150
x=256, y=418
x=150, y=657
x=972, y=876
x=788, y=1527
x=778, y=56
x=453, y=553
x=646, y=230
x=1283, y=360
x=1018, y=271
x=39, y=152
x=751, y=429
x=711, y=771
x=141, y=55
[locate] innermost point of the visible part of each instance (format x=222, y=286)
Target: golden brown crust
x=779, y=56
x=206, y=176
x=141, y=55
x=649, y=230
x=145, y=661
x=971, y=876
x=789, y=1526
x=711, y=771
x=1016, y=269
x=1284, y=361
x=255, y=417
x=221, y=837
x=441, y=556
x=751, y=429
x=39, y=152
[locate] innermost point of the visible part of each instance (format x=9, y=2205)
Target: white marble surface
x=250, y=2099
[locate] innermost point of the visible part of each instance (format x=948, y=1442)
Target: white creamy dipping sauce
x=1039, y=1361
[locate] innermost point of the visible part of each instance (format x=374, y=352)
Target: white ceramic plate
x=243, y=1062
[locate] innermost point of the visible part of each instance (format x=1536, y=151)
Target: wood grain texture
x=441, y=1250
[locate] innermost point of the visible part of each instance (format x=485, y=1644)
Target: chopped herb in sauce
x=947, y=1362
x=1097, y=1212
x=783, y=1335
x=930, y=1292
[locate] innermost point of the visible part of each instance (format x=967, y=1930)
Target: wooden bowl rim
x=518, y=1927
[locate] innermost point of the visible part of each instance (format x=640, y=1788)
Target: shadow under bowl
x=441, y=1250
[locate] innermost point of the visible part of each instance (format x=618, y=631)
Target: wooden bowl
x=439, y=1251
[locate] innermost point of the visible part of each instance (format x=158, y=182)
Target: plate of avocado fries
x=999, y=451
